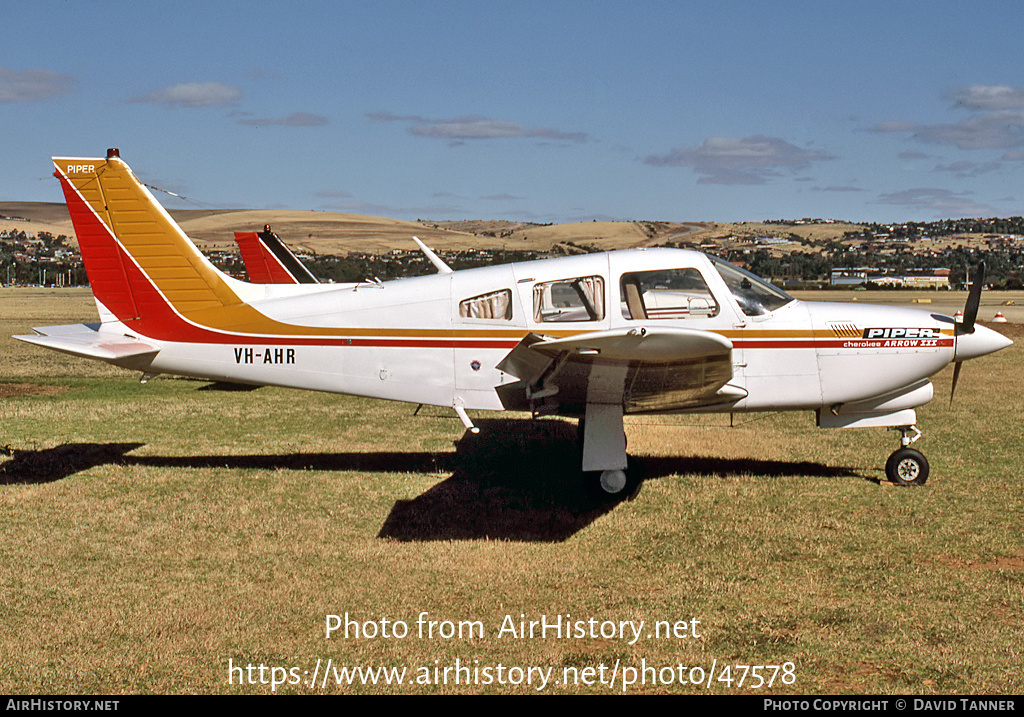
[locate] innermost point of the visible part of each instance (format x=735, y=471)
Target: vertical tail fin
x=261, y=266
x=269, y=261
x=143, y=269
x=120, y=225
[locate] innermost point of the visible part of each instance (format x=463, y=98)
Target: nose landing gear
x=907, y=466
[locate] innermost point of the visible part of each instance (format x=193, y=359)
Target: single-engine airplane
x=268, y=260
x=594, y=337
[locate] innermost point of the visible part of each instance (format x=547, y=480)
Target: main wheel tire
x=614, y=485
x=907, y=467
x=613, y=482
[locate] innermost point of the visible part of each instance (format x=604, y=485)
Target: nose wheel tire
x=907, y=467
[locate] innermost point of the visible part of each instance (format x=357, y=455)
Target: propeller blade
x=973, y=302
x=956, y=377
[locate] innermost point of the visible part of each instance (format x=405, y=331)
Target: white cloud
x=990, y=130
x=999, y=124
x=195, y=94
x=475, y=127
x=966, y=168
x=738, y=160
x=32, y=85
x=295, y=119
x=503, y=198
x=989, y=97
x=894, y=127
x=945, y=203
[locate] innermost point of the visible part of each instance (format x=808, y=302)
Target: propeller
x=956, y=377
x=970, y=317
x=973, y=302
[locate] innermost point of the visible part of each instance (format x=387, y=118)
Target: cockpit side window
x=754, y=295
x=667, y=294
x=495, y=305
x=579, y=299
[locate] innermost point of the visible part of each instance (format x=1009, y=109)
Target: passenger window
x=580, y=299
x=495, y=305
x=667, y=294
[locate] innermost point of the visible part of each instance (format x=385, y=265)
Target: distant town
x=927, y=255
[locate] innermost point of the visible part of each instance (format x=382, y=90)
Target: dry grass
x=812, y=232
x=319, y=232
x=154, y=532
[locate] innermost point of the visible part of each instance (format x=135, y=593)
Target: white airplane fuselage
x=405, y=339
x=593, y=336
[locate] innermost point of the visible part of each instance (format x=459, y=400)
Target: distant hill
x=33, y=217
x=334, y=233
x=337, y=233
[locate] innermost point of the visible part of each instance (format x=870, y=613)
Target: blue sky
x=535, y=111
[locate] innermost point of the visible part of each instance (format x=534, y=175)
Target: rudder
x=110, y=207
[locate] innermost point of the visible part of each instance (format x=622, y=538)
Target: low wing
x=647, y=369
x=88, y=341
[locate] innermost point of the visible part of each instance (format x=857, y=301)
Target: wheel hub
x=908, y=469
x=613, y=482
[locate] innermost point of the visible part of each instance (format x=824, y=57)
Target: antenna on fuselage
x=438, y=263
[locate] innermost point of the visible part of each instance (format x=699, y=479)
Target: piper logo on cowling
x=907, y=333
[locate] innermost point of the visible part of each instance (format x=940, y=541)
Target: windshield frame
x=753, y=295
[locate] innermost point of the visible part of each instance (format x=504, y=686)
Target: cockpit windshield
x=754, y=295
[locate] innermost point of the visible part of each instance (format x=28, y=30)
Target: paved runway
x=1009, y=303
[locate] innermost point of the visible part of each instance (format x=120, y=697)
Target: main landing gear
x=907, y=466
x=603, y=443
x=612, y=482
x=616, y=484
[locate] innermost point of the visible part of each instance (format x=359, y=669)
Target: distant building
x=924, y=279
x=849, y=277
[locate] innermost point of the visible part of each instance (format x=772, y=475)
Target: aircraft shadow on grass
x=53, y=464
x=520, y=480
x=515, y=480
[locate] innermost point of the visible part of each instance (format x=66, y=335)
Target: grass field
x=156, y=535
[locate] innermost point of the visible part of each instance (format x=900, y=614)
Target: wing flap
x=658, y=345
x=523, y=363
x=664, y=369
